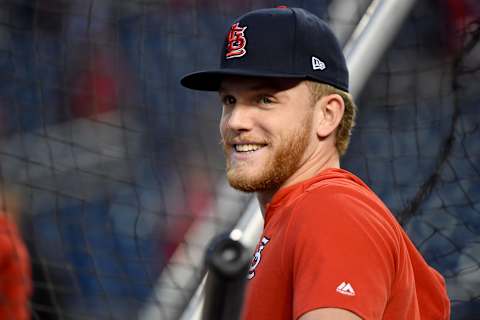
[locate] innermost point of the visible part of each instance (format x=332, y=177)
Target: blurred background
x=116, y=170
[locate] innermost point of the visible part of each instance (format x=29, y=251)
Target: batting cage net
x=114, y=174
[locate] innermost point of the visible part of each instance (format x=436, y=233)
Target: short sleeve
x=341, y=252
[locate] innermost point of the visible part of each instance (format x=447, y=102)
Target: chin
x=251, y=182
x=242, y=181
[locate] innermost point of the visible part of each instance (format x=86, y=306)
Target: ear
x=329, y=110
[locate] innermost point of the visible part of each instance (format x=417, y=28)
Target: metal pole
x=372, y=37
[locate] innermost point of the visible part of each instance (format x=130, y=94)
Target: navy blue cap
x=278, y=42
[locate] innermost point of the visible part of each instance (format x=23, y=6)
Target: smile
x=247, y=147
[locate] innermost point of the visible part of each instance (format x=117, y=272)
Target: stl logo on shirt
x=256, y=258
x=236, y=42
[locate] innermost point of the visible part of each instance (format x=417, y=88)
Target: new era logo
x=318, y=64
x=346, y=288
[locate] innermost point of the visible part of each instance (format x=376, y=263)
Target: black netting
x=416, y=142
x=119, y=172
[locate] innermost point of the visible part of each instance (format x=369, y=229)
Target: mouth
x=248, y=147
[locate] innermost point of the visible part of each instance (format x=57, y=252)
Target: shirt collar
x=287, y=195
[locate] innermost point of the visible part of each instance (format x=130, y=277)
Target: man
x=330, y=248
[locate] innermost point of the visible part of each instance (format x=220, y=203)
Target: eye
x=228, y=100
x=265, y=100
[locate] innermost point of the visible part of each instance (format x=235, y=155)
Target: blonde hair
x=344, y=129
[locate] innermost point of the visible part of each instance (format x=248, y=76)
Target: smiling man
x=330, y=248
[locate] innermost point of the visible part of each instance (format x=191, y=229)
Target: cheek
x=222, y=126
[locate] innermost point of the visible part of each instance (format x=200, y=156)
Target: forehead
x=242, y=83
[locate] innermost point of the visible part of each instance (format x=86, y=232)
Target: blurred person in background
x=15, y=269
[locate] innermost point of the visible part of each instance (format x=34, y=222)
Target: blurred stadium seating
x=118, y=166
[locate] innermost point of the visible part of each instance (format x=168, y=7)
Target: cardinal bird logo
x=236, y=42
x=256, y=258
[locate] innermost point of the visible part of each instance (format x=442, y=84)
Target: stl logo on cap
x=236, y=42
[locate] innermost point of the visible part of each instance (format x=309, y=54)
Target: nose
x=238, y=118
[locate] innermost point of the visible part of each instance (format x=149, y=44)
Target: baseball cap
x=277, y=42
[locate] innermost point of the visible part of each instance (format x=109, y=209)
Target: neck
x=311, y=167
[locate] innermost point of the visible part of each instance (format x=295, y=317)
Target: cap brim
x=210, y=80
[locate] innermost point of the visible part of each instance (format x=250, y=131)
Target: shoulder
x=344, y=211
x=339, y=198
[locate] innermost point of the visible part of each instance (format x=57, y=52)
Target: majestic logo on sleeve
x=236, y=42
x=256, y=258
x=346, y=289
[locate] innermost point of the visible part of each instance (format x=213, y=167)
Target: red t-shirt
x=15, y=273
x=330, y=242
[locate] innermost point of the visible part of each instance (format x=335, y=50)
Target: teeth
x=247, y=147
